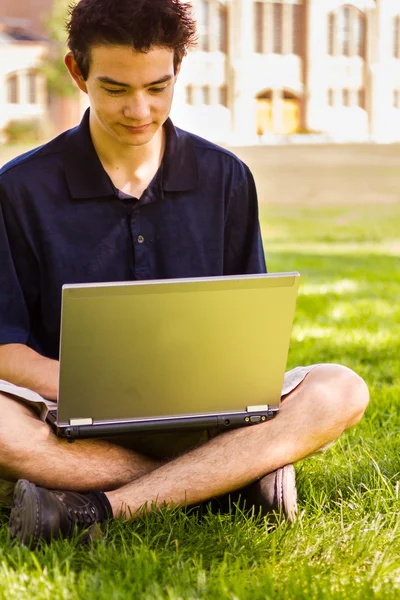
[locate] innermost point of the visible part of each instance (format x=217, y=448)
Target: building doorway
x=278, y=115
x=291, y=113
x=264, y=122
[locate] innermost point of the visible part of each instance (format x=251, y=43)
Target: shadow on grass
x=348, y=310
x=321, y=267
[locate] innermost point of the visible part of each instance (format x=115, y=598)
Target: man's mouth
x=137, y=129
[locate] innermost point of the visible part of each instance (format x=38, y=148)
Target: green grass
x=346, y=543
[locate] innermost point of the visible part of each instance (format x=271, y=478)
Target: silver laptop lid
x=174, y=347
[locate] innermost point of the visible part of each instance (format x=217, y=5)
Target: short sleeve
x=14, y=317
x=243, y=254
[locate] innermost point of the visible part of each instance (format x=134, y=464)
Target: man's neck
x=130, y=168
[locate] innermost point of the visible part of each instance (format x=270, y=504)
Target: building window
x=346, y=32
x=331, y=97
x=32, y=88
x=331, y=33
x=346, y=97
x=189, y=95
x=396, y=37
x=12, y=89
x=222, y=30
x=205, y=94
x=396, y=98
x=273, y=14
x=258, y=27
x=277, y=27
x=203, y=15
x=297, y=28
x=223, y=95
x=361, y=98
x=359, y=33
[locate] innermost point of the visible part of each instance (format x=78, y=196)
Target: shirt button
x=140, y=239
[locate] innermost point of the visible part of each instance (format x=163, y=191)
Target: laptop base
x=164, y=425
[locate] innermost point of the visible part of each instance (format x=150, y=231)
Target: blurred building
x=23, y=93
x=261, y=69
x=32, y=13
x=22, y=86
x=267, y=68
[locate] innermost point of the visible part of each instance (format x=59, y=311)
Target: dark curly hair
x=140, y=24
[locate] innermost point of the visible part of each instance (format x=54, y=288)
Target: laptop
x=172, y=355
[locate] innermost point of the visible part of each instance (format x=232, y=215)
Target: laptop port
x=255, y=419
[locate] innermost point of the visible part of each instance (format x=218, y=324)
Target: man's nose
x=137, y=108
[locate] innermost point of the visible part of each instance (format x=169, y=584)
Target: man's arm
x=19, y=364
x=244, y=254
x=25, y=367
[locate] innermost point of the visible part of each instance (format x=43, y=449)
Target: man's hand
x=25, y=367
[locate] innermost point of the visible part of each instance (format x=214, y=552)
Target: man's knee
x=344, y=390
x=20, y=431
x=359, y=399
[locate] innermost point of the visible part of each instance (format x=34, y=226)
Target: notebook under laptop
x=176, y=354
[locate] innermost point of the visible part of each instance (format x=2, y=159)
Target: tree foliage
x=58, y=79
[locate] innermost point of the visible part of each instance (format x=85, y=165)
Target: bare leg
x=29, y=450
x=330, y=400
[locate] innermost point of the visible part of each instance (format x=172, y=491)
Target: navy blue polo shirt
x=63, y=221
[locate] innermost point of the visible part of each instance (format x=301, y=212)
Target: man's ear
x=75, y=72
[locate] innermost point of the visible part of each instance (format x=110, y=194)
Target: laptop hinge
x=77, y=422
x=257, y=408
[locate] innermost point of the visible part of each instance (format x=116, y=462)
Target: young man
x=125, y=196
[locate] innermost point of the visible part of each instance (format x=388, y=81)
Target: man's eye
x=114, y=92
x=157, y=90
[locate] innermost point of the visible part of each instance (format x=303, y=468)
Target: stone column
x=213, y=23
x=23, y=87
x=287, y=37
x=306, y=67
x=381, y=92
x=317, y=63
x=197, y=95
x=268, y=28
x=214, y=95
x=42, y=91
x=241, y=41
x=277, y=111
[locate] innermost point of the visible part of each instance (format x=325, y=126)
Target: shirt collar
x=85, y=174
x=87, y=178
x=180, y=168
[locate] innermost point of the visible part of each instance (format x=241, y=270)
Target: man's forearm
x=25, y=367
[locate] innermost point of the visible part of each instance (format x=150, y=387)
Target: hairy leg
x=330, y=400
x=30, y=450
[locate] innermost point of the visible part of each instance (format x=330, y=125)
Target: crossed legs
x=330, y=400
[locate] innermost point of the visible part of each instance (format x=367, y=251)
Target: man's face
x=130, y=92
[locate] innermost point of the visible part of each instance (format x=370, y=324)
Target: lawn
x=333, y=214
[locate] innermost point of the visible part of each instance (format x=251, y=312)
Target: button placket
x=139, y=249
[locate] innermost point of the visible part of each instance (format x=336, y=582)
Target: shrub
x=23, y=130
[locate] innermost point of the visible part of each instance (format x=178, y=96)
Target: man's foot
x=38, y=514
x=275, y=492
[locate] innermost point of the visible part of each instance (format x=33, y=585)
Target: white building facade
x=23, y=93
x=271, y=68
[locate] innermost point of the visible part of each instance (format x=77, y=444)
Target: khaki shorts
x=158, y=446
